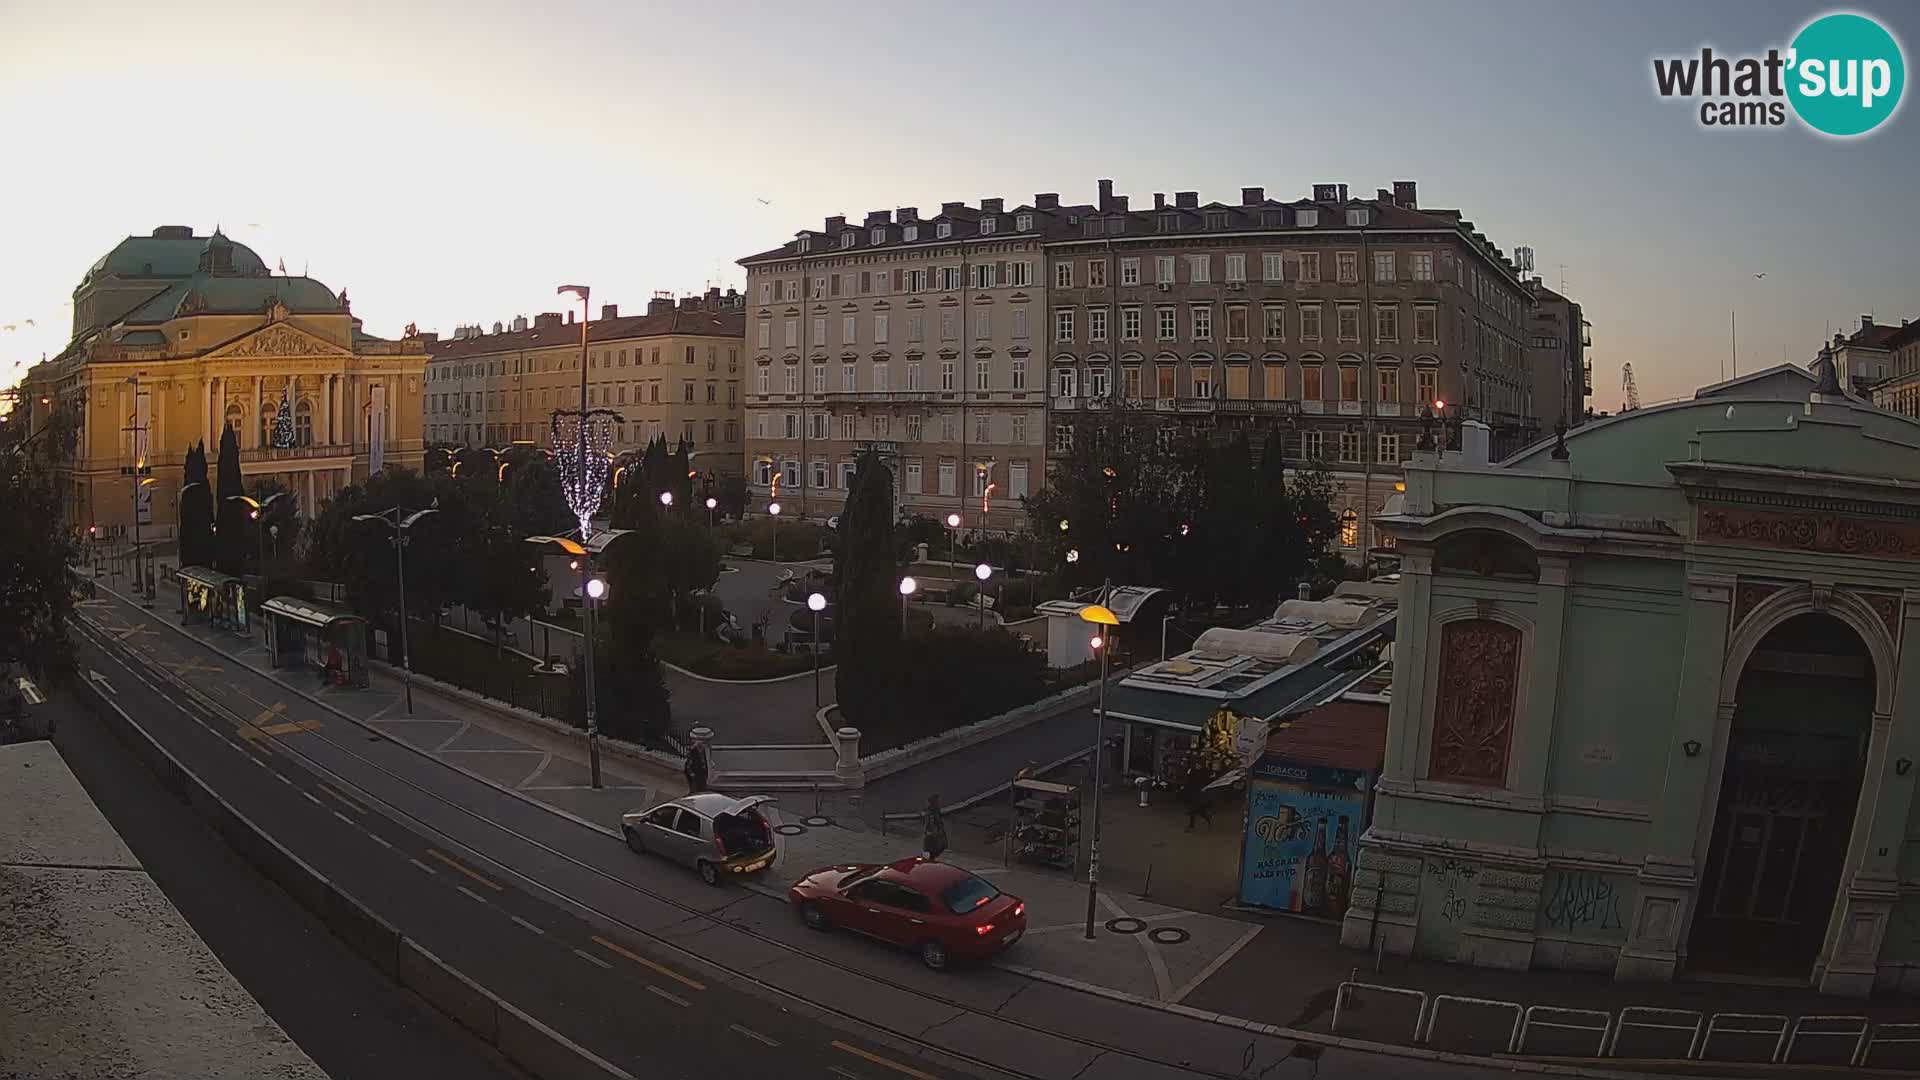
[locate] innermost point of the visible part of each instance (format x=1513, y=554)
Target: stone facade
x=1633, y=586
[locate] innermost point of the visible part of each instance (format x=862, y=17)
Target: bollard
x=1142, y=783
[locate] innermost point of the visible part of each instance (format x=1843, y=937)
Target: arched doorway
x=1796, y=754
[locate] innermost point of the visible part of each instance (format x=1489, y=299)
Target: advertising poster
x=1303, y=826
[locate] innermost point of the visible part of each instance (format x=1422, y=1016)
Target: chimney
x=1120, y=204
x=661, y=303
x=429, y=338
x=1047, y=200
x=993, y=206
x=547, y=320
x=173, y=232
x=1476, y=442
x=1866, y=321
x=1106, y=195
x=951, y=208
x=569, y=316
x=1406, y=193
x=519, y=323
x=713, y=298
x=1159, y=200
x=1326, y=192
x=1186, y=200
x=907, y=215
x=1252, y=196
x=1382, y=195
x=609, y=311
x=878, y=217
x=1343, y=193
x=835, y=224
x=497, y=328
x=689, y=303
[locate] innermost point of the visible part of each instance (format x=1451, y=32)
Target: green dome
x=171, y=252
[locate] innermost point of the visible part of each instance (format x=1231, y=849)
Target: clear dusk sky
x=450, y=162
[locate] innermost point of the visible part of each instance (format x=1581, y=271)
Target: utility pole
x=141, y=474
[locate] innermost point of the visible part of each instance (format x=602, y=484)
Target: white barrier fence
x=1780, y=1034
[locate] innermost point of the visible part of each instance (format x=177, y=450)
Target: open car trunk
x=744, y=831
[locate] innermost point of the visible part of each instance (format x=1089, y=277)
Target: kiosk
x=209, y=596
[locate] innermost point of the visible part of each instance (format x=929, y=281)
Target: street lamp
x=773, y=511
x=817, y=604
x=666, y=499
x=1103, y=620
x=907, y=588
x=711, y=504
x=953, y=537
x=400, y=526
x=591, y=589
x=983, y=572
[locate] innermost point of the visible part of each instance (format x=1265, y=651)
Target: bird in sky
x=763, y=202
x=1760, y=275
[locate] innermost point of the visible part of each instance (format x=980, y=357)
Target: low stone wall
x=888, y=762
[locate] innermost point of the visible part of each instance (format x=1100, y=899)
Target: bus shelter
x=208, y=596
x=328, y=638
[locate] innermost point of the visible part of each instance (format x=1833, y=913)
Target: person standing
x=1199, y=801
x=934, y=829
x=696, y=769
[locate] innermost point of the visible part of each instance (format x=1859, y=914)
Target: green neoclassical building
x=1655, y=707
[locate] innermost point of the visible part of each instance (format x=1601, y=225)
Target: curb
x=743, y=682
x=523, y=1040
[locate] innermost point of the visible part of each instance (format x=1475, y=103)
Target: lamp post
x=595, y=590
x=983, y=572
x=817, y=604
x=711, y=504
x=666, y=500
x=907, y=588
x=953, y=537
x=400, y=526
x=1103, y=620
x=773, y=511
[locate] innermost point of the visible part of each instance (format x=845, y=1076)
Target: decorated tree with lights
x=1213, y=747
x=582, y=449
x=283, y=418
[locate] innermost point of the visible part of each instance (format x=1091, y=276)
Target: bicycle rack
x=1346, y=988
x=1529, y=1022
x=1433, y=1014
x=1654, y=1014
x=1777, y=1024
x=1859, y=1037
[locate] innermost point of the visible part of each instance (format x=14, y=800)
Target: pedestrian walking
x=696, y=770
x=1199, y=800
x=935, y=829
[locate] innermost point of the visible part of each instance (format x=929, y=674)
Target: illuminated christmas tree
x=283, y=419
x=1213, y=747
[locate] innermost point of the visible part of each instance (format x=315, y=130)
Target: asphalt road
x=354, y=1022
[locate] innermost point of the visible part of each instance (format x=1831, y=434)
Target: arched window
x=266, y=424
x=1349, y=529
x=235, y=419
x=303, y=423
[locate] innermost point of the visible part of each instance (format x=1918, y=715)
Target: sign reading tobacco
x=1808, y=532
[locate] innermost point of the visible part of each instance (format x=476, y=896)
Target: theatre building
x=1655, y=709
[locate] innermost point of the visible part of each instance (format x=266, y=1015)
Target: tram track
x=225, y=722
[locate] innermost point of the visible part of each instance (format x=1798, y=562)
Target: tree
x=360, y=554
x=538, y=506
x=867, y=617
x=1128, y=483
x=732, y=495
x=504, y=578
x=36, y=549
x=231, y=537
x=196, y=510
x=961, y=675
x=631, y=693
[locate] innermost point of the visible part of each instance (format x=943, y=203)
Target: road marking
x=675, y=998
x=754, y=1035
x=194, y=664
x=889, y=1063
x=471, y=893
x=291, y=728
x=102, y=681
x=646, y=963
x=848, y=1073
x=421, y=865
x=437, y=856
x=29, y=691
x=382, y=841
x=525, y=925
x=312, y=798
x=1216, y=964
x=591, y=959
x=259, y=761
x=282, y=777
x=351, y=805
x=344, y=818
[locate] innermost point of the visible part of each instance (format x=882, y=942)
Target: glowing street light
x=666, y=498
x=711, y=504
x=983, y=572
x=773, y=511
x=907, y=588
x=597, y=588
x=1102, y=619
x=817, y=604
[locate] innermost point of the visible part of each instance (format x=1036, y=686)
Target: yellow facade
x=177, y=337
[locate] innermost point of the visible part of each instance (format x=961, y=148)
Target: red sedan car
x=941, y=911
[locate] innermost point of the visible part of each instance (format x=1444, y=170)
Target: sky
x=455, y=162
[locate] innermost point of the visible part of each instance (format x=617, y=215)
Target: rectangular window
x=1237, y=387
x=819, y=473
x=1386, y=323
x=946, y=375
x=793, y=382
x=819, y=287
x=766, y=334
x=1064, y=382
x=1273, y=382
x=913, y=426
x=1062, y=438
x=1202, y=315
x=1097, y=324
x=982, y=372
x=949, y=278
x=1350, y=447
x=1347, y=266
x=819, y=381
x=793, y=338
x=1023, y=222
x=916, y=327
x=1163, y=269
x=982, y=324
x=1097, y=382
x=1168, y=323
x=1383, y=267
x=882, y=377
x=982, y=476
x=981, y=428
x=1096, y=273
x=846, y=475
x=1129, y=271
x=916, y=281
x=1236, y=268
x=1270, y=266
x=1203, y=382
x=1309, y=322
x=793, y=425
x=1313, y=445
x=1199, y=269
x=1389, y=449
x=1389, y=379
x=1309, y=262
x=1426, y=324
x=1237, y=329
x=793, y=291
x=1017, y=480
x=1163, y=382
x=1273, y=322
x=1420, y=263
x=1020, y=322
x=849, y=330
x=987, y=225
x=766, y=292
x=1129, y=324
x=848, y=380
x=948, y=477
x=949, y=325
x=1018, y=424
x=913, y=376
x=1019, y=373
x=1020, y=274
x=1130, y=382
x=1426, y=382
x=817, y=425
x=1349, y=382
x=914, y=476
x=1063, y=274
x=949, y=427
x=1063, y=325
x=986, y=275
x=1347, y=323
x=882, y=426
x=1310, y=388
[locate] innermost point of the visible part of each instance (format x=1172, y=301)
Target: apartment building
x=1558, y=336
x=921, y=338
x=1864, y=358
x=1324, y=325
x=676, y=371
x=1892, y=376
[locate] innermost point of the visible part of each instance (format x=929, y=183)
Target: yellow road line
x=292, y=728
x=351, y=805
x=646, y=963
x=257, y=747
x=455, y=864
x=883, y=1061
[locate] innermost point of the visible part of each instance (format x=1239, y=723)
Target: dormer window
x=1306, y=219
x=1216, y=220
x=1357, y=217
x=988, y=224
x=1022, y=222
x=1270, y=219
x=910, y=232
x=879, y=236
x=806, y=243
x=1169, y=222
x=943, y=230
x=846, y=239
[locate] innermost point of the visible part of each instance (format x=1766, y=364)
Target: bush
x=962, y=593
x=717, y=661
x=958, y=676
x=632, y=698
x=799, y=540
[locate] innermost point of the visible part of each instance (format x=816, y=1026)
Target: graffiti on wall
x=1583, y=903
x=1452, y=879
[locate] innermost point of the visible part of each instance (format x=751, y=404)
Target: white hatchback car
x=718, y=835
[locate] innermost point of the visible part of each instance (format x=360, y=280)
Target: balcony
x=1246, y=407
x=1350, y=408
x=1386, y=408
x=877, y=397
x=260, y=454
x=1313, y=407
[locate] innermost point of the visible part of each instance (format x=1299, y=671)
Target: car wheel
x=934, y=955
x=634, y=843
x=709, y=873
x=815, y=919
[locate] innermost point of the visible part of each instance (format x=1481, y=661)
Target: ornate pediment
x=278, y=340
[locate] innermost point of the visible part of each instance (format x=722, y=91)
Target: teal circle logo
x=1846, y=76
